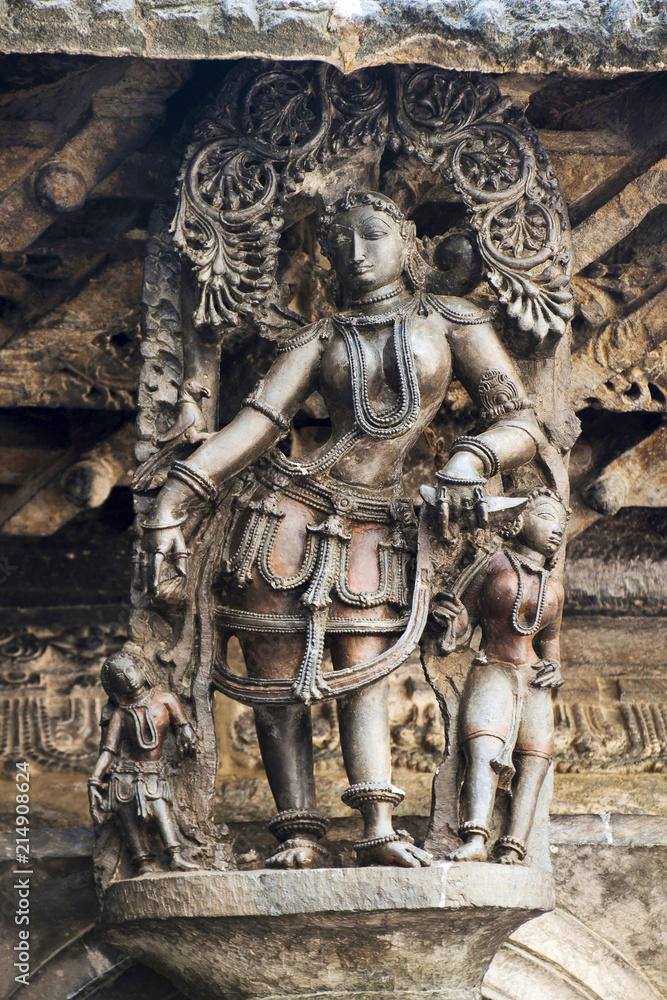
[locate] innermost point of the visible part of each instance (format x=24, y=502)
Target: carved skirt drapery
x=320, y=557
x=318, y=543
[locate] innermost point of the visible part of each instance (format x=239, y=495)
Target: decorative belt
x=122, y=792
x=329, y=495
x=125, y=766
x=311, y=683
x=253, y=621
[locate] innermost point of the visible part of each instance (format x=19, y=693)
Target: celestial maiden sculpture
x=296, y=554
x=331, y=535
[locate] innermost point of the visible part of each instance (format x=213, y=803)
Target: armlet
x=499, y=395
x=255, y=402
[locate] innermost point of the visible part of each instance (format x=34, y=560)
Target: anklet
x=514, y=845
x=469, y=828
x=392, y=838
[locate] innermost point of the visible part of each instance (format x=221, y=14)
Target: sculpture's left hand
x=465, y=488
x=548, y=674
x=187, y=739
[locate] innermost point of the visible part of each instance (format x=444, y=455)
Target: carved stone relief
x=276, y=138
x=610, y=718
x=50, y=702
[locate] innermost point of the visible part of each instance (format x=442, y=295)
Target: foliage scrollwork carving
x=271, y=128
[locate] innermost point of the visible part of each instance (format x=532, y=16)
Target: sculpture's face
x=128, y=679
x=367, y=249
x=543, y=526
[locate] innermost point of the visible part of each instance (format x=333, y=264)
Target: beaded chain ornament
x=517, y=562
x=396, y=421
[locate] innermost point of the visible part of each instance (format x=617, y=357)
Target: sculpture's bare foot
x=299, y=852
x=397, y=850
x=474, y=849
x=397, y=854
x=510, y=857
x=178, y=863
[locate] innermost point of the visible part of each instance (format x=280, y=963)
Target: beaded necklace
x=517, y=562
x=395, y=421
x=132, y=709
x=367, y=300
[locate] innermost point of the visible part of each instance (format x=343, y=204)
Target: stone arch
x=557, y=957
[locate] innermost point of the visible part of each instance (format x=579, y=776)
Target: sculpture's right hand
x=96, y=804
x=156, y=546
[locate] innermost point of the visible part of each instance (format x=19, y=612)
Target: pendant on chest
x=396, y=418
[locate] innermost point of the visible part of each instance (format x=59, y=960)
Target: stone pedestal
x=331, y=934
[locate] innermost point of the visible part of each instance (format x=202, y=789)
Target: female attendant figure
x=506, y=722
x=135, y=724
x=320, y=549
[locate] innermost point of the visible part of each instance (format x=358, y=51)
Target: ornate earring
x=416, y=269
x=512, y=529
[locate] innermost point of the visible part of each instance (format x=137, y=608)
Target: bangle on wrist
x=480, y=449
x=447, y=480
x=161, y=525
x=199, y=482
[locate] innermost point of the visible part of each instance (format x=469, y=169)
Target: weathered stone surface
x=619, y=346
x=492, y=35
x=607, y=932
x=63, y=897
x=610, y=714
x=619, y=216
x=617, y=829
x=638, y=478
x=632, y=546
x=270, y=893
x=619, y=893
x=348, y=932
x=86, y=483
x=123, y=115
x=50, y=704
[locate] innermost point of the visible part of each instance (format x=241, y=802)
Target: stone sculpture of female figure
x=506, y=724
x=319, y=549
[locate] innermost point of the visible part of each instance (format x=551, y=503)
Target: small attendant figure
x=138, y=790
x=506, y=724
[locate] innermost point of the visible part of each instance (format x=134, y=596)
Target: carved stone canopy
x=279, y=141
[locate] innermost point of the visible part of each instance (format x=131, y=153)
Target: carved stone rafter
x=273, y=126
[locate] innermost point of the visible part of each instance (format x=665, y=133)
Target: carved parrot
x=188, y=430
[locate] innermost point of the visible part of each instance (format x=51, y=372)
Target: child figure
x=138, y=791
x=506, y=724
